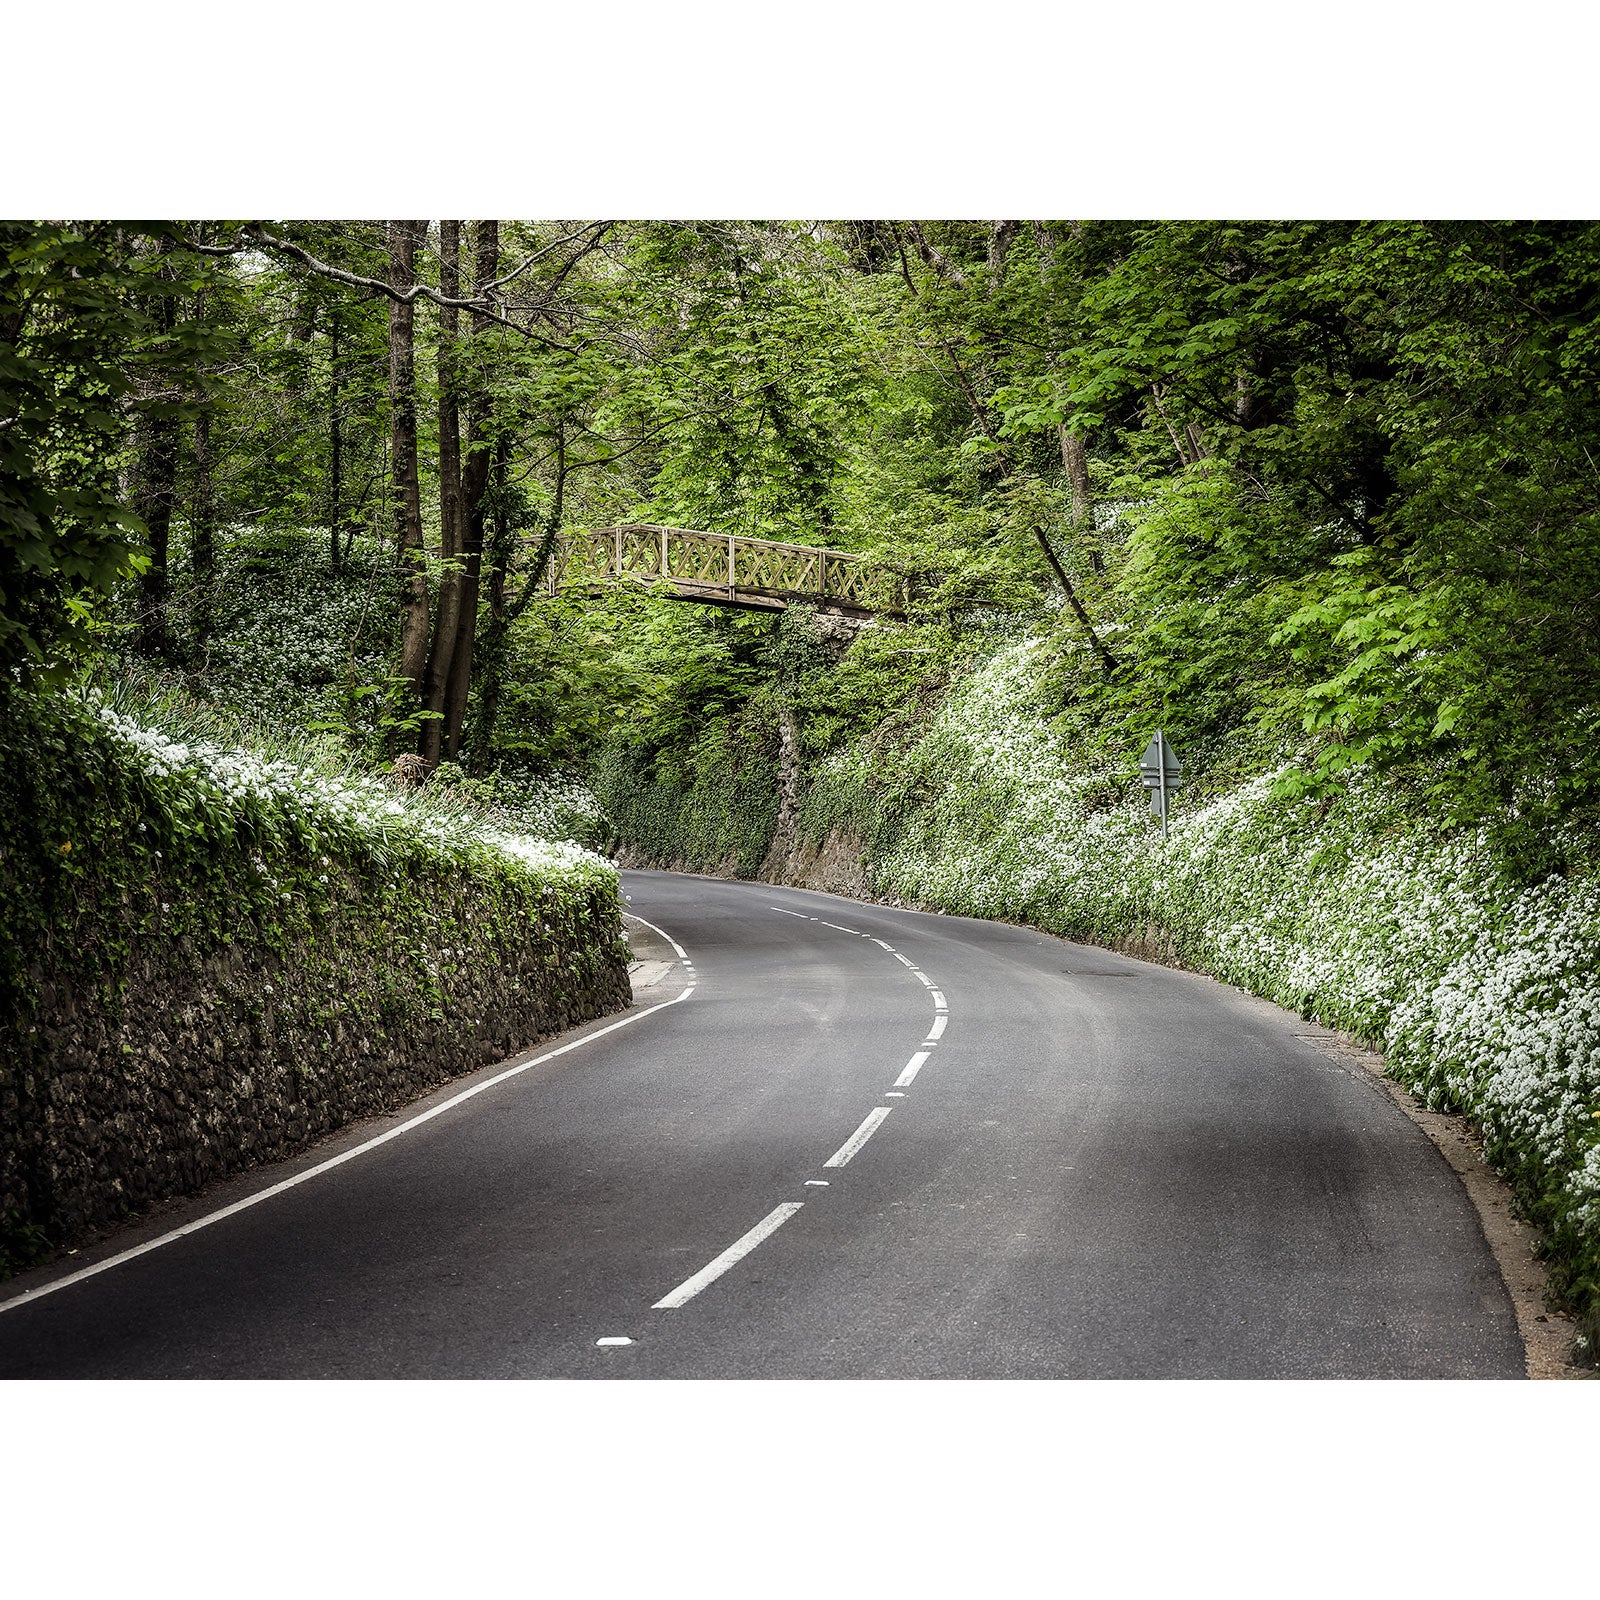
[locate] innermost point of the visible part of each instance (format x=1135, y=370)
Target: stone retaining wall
x=215, y=1060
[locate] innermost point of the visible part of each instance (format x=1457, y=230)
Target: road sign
x=1162, y=773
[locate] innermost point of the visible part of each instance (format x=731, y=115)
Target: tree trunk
x=335, y=439
x=941, y=264
x=1075, y=458
x=158, y=478
x=441, y=652
x=1045, y=241
x=203, y=523
x=482, y=450
x=156, y=491
x=499, y=625
x=503, y=610
x=1000, y=236
x=403, y=452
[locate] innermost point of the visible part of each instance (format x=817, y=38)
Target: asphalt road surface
x=851, y=1142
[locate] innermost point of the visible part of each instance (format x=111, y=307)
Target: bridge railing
x=725, y=568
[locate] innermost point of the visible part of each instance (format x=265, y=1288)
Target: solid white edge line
x=338, y=1160
x=912, y=1068
x=683, y=955
x=869, y=1126
x=736, y=1252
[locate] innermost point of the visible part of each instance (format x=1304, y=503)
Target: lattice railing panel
x=698, y=563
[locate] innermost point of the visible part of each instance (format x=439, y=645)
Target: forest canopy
x=1316, y=488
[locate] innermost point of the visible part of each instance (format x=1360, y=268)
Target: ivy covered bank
x=1482, y=989
x=212, y=955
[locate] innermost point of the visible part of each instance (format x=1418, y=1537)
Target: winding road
x=831, y=1140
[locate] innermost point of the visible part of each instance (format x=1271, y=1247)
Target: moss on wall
x=193, y=983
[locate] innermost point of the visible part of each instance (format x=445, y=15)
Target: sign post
x=1162, y=773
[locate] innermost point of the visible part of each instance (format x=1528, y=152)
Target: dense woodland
x=281, y=504
x=1320, y=488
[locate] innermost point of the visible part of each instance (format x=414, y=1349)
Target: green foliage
x=1391, y=543
x=70, y=325
x=128, y=849
x=710, y=808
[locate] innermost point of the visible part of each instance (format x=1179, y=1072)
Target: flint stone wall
x=213, y=1061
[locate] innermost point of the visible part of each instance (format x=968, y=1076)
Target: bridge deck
x=726, y=569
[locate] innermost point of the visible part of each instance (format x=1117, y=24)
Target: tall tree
x=482, y=449
x=403, y=237
x=156, y=482
x=447, y=611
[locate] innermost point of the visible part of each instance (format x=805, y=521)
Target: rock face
x=836, y=865
x=214, y=1060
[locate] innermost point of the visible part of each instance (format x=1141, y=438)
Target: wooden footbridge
x=726, y=569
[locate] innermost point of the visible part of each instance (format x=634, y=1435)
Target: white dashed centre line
x=937, y=1028
x=735, y=1253
x=913, y=1067
x=869, y=1126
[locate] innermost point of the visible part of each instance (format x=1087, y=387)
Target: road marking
x=816, y=1183
x=339, y=1160
x=869, y=1126
x=735, y=1253
x=683, y=955
x=617, y=1338
x=913, y=1067
x=941, y=1008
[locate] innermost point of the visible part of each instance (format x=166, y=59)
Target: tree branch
x=941, y=264
x=1107, y=661
x=482, y=305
